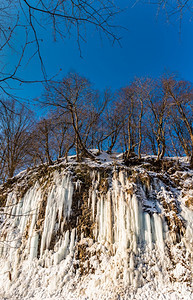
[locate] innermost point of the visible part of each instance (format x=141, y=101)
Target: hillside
x=98, y=230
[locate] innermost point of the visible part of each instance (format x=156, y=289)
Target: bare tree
x=75, y=96
x=15, y=126
x=95, y=129
x=23, y=21
x=52, y=138
x=180, y=97
x=127, y=103
x=107, y=122
x=140, y=87
x=63, y=135
x=132, y=100
x=174, y=9
x=158, y=104
x=115, y=119
x=42, y=148
x=150, y=144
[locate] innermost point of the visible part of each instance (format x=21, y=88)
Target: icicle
x=122, y=178
x=27, y=208
x=101, y=220
x=136, y=214
x=108, y=218
x=93, y=203
x=70, y=193
x=148, y=234
x=49, y=222
x=62, y=252
x=159, y=232
x=34, y=246
x=72, y=240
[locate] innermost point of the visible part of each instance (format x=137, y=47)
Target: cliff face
x=98, y=231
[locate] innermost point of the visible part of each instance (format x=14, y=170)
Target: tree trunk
x=191, y=160
x=79, y=143
x=140, y=131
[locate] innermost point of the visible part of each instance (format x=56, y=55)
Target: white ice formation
x=83, y=232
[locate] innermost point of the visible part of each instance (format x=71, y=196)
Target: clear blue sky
x=149, y=47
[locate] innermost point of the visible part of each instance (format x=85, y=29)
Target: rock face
x=82, y=231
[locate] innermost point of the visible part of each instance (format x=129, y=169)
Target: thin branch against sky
x=55, y=46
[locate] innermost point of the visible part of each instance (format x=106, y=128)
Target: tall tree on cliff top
x=76, y=98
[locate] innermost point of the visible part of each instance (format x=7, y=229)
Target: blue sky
x=149, y=46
